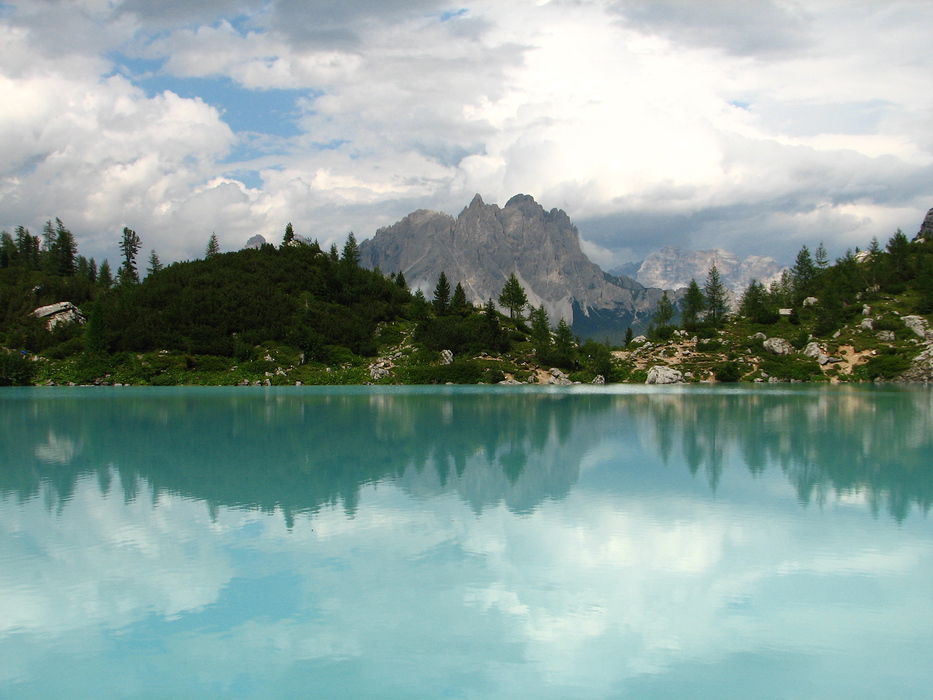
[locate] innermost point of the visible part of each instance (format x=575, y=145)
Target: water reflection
x=297, y=451
x=623, y=543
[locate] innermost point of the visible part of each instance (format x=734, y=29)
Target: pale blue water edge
x=467, y=542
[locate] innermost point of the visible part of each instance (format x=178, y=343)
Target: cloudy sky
x=757, y=126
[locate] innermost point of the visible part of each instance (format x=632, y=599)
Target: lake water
x=466, y=542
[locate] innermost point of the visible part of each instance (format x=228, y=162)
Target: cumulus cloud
x=733, y=120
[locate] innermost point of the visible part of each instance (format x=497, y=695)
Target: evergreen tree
x=289, y=234
x=822, y=260
x=629, y=335
x=754, y=304
x=664, y=312
x=804, y=274
x=64, y=251
x=563, y=344
x=155, y=265
x=693, y=305
x=7, y=250
x=104, y=276
x=540, y=327
x=333, y=253
x=513, y=297
x=442, y=295
x=351, y=252
x=400, y=281
x=898, y=258
x=213, y=247
x=129, y=246
x=458, y=302
x=714, y=292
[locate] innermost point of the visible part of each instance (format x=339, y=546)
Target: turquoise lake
x=467, y=542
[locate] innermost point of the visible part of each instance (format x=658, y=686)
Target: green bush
x=728, y=371
x=462, y=372
x=15, y=369
x=888, y=365
x=791, y=367
x=709, y=345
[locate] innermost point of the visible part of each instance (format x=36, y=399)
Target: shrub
x=888, y=365
x=15, y=370
x=728, y=371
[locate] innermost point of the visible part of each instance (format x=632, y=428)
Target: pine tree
x=65, y=251
x=822, y=259
x=458, y=301
x=155, y=265
x=714, y=292
x=694, y=304
x=665, y=311
x=442, y=295
x=129, y=246
x=351, y=252
x=513, y=297
x=563, y=344
x=104, y=276
x=629, y=336
x=289, y=234
x=400, y=281
x=803, y=273
x=213, y=247
x=540, y=327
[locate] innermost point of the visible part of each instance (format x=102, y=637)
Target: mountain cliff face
x=485, y=244
x=673, y=267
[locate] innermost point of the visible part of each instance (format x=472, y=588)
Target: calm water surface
x=625, y=542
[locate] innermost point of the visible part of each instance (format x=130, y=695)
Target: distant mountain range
x=673, y=267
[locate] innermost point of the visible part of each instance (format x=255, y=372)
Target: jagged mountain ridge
x=485, y=244
x=673, y=267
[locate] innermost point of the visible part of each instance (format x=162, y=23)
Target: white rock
x=447, y=357
x=813, y=350
x=919, y=325
x=62, y=312
x=810, y=301
x=885, y=336
x=867, y=324
x=664, y=375
x=778, y=346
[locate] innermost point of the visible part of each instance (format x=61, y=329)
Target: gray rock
x=867, y=324
x=813, y=350
x=599, y=379
x=926, y=228
x=758, y=336
x=447, y=357
x=256, y=241
x=921, y=368
x=664, y=375
x=885, y=336
x=866, y=310
x=63, y=312
x=810, y=301
x=487, y=243
x=510, y=382
x=558, y=378
x=378, y=372
x=785, y=312
x=919, y=325
x=778, y=346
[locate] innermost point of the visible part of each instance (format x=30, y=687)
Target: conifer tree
x=129, y=246
x=821, y=258
x=213, y=247
x=629, y=335
x=694, y=304
x=563, y=344
x=289, y=234
x=665, y=311
x=64, y=251
x=400, y=281
x=351, y=252
x=155, y=265
x=442, y=295
x=458, y=302
x=540, y=327
x=803, y=273
x=513, y=297
x=104, y=276
x=714, y=292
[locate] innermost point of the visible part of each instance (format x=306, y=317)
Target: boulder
x=664, y=375
x=758, y=336
x=599, y=379
x=558, y=378
x=867, y=324
x=885, y=336
x=447, y=357
x=62, y=312
x=919, y=325
x=921, y=368
x=778, y=346
x=810, y=301
x=813, y=350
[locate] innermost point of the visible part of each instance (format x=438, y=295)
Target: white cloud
x=744, y=118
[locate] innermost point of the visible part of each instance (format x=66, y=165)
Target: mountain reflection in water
x=299, y=449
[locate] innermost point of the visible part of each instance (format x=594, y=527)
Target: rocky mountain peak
x=485, y=244
x=926, y=228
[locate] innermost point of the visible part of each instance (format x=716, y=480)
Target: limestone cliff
x=673, y=267
x=485, y=244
